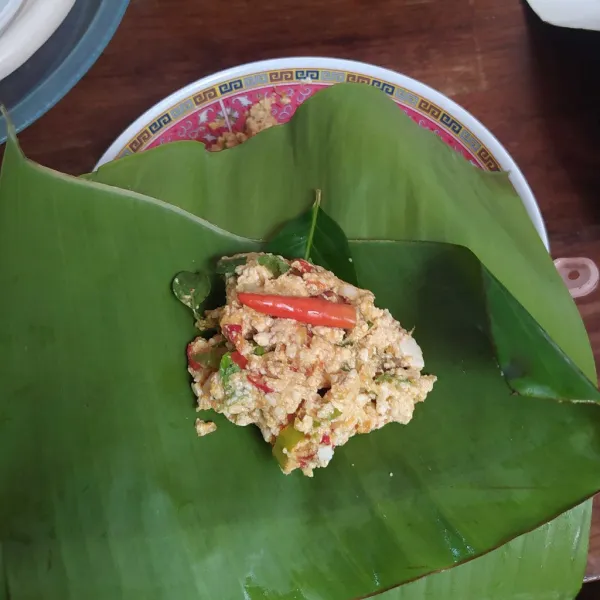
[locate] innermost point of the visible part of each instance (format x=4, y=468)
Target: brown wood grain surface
x=535, y=86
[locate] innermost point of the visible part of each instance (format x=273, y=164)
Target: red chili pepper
x=191, y=362
x=258, y=382
x=314, y=311
x=303, y=266
x=303, y=460
x=233, y=333
x=239, y=359
x=320, y=285
x=326, y=440
x=329, y=295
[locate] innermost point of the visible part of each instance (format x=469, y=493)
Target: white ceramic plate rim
x=487, y=138
x=30, y=29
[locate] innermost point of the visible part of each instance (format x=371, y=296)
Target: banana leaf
x=381, y=176
x=384, y=178
x=106, y=492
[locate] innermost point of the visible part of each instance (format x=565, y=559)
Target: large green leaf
x=106, y=493
x=383, y=177
x=546, y=564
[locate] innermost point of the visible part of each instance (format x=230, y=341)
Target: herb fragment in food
x=227, y=266
x=385, y=378
x=335, y=414
x=227, y=368
x=275, y=264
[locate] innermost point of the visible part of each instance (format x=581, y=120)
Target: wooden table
x=536, y=87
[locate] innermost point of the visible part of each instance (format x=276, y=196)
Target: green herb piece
x=385, y=378
x=335, y=414
x=315, y=236
x=259, y=351
x=227, y=266
x=191, y=289
x=275, y=264
x=207, y=322
x=369, y=324
x=227, y=368
x=288, y=439
x=346, y=368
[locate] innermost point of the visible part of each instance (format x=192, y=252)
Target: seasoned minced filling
x=258, y=118
x=309, y=388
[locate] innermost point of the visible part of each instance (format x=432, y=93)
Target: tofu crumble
x=333, y=367
x=258, y=118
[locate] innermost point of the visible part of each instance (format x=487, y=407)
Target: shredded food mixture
x=306, y=357
x=259, y=118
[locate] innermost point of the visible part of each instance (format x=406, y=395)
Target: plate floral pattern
x=221, y=107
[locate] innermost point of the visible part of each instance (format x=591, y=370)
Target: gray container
x=61, y=62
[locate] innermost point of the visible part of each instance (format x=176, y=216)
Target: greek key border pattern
x=323, y=76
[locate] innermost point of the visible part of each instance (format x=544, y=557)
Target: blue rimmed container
x=61, y=62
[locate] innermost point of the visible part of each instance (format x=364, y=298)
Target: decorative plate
x=219, y=103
